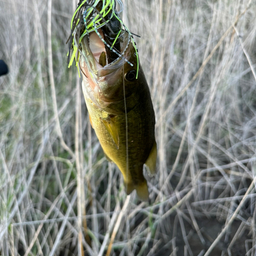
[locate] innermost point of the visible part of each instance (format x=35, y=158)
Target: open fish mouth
x=99, y=36
x=99, y=59
x=103, y=71
x=103, y=48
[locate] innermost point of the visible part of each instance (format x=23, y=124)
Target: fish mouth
x=103, y=68
x=99, y=58
x=103, y=48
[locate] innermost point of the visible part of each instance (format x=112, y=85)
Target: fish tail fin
x=151, y=161
x=142, y=191
x=129, y=188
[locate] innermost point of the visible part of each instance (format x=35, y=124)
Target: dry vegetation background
x=199, y=59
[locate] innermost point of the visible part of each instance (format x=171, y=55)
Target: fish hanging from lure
x=115, y=90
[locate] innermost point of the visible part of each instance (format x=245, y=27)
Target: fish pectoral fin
x=151, y=161
x=112, y=129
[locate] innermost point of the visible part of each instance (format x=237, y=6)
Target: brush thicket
x=199, y=59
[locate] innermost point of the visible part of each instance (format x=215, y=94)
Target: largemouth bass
x=118, y=100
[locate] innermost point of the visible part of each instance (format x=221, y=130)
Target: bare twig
x=201, y=69
x=245, y=52
x=126, y=203
x=63, y=226
x=51, y=76
x=110, y=227
x=233, y=217
x=80, y=174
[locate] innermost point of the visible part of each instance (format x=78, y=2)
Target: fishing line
x=112, y=49
x=126, y=128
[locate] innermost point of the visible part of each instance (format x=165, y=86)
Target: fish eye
x=130, y=75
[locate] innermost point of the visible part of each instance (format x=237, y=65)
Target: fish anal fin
x=112, y=129
x=142, y=191
x=151, y=161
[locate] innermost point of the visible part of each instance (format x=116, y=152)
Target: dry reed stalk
x=118, y=222
x=51, y=76
x=201, y=69
x=81, y=220
x=206, y=146
x=232, y=218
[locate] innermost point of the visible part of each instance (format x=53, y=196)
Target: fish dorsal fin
x=151, y=161
x=112, y=129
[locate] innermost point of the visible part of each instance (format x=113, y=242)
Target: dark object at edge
x=3, y=68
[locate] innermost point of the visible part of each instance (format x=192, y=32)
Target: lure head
x=108, y=82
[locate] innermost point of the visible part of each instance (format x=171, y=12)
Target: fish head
x=105, y=82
